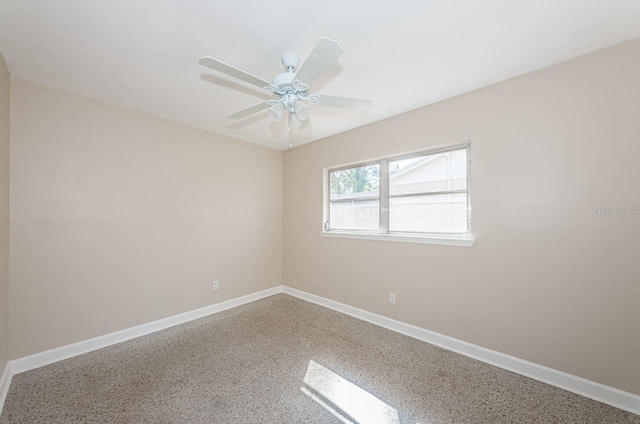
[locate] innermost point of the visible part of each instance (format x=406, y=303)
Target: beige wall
x=121, y=218
x=5, y=143
x=546, y=280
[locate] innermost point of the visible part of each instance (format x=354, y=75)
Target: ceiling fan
x=292, y=88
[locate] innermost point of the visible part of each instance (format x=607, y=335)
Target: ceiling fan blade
x=219, y=66
x=249, y=111
x=306, y=125
x=361, y=105
x=321, y=58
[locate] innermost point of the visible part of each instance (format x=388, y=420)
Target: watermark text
x=616, y=212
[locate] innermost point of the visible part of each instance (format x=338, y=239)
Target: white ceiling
x=143, y=54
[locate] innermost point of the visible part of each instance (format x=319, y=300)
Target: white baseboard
x=605, y=394
x=60, y=353
x=47, y=357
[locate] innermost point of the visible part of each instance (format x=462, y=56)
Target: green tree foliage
x=358, y=180
x=355, y=180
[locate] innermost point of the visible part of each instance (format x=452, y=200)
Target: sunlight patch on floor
x=345, y=400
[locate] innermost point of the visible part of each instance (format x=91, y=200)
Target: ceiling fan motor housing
x=284, y=82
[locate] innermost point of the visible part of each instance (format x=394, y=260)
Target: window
x=355, y=198
x=417, y=196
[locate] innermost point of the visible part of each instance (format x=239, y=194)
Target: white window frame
x=457, y=239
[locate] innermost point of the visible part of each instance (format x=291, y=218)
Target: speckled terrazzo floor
x=247, y=365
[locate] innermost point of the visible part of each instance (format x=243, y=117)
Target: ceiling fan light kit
x=301, y=110
x=294, y=121
x=292, y=88
x=277, y=110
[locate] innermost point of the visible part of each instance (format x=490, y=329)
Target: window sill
x=447, y=241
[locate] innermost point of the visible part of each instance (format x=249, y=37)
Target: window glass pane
x=355, y=199
x=439, y=213
x=363, y=181
x=362, y=215
x=422, y=174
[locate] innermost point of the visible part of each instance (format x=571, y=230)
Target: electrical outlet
x=215, y=285
x=392, y=298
